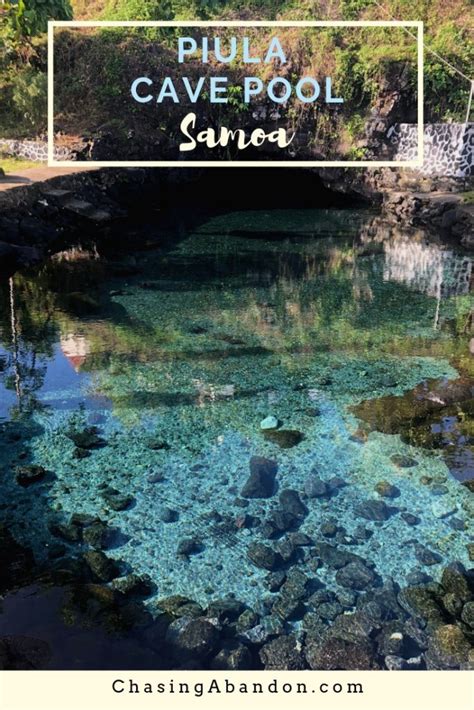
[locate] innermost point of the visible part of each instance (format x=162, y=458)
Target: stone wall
x=448, y=147
x=36, y=151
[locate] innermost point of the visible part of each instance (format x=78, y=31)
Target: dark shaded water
x=335, y=348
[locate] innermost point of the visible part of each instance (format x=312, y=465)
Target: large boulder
x=283, y=654
x=264, y=556
x=421, y=603
x=27, y=475
x=336, y=654
x=102, y=568
x=261, y=482
x=447, y=648
x=233, y=656
x=192, y=639
x=355, y=575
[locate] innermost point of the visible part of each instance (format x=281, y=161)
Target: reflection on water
x=427, y=268
x=145, y=386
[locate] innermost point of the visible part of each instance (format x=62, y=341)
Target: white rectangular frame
x=416, y=163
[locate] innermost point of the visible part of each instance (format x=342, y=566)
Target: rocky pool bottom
x=252, y=450
x=96, y=619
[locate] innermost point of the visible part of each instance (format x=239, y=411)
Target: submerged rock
x=338, y=654
x=192, y=639
x=179, y=606
x=83, y=519
x=283, y=654
x=66, y=531
x=103, y=568
x=402, y=461
x=355, y=575
x=291, y=503
x=373, y=510
x=287, y=608
x=421, y=603
x=300, y=539
x=168, y=515
x=269, y=423
x=296, y=584
x=261, y=482
x=284, y=438
x=386, y=490
x=275, y=580
x=257, y=634
x=286, y=549
x=426, y=556
x=396, y=663
x=116, y=500
x=264, y=556
x=157, y=444
x=456, y=580
x=27, y=475
x=189, y=546
x=134, y=585
x=86, y=439
x=335, y=483
x=467, y=614
x=226, y=609
x=96, y=535
x=457, y=524
x=156, y=477
x=329, y=529
x=411, y=519
x=354, y=627
x=330, y=610
x=246, y=621
x=315, y=488
x=334, y=557
x=277, y=523
x=447, y=648
x=233, y=656
x=452, y=604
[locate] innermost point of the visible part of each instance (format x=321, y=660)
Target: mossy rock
x=178, y=606
x=447, y=647
x=27, y=475
x=101, y=593
x=456, y=581
x=102, y=568
x=86, y=439
x=421, y=603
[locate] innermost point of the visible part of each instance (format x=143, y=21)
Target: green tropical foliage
x=362, y=73
x=30, y=18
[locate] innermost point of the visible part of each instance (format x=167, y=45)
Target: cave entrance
x=230, y=189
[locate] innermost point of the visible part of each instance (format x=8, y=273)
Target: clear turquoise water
x=297, y=314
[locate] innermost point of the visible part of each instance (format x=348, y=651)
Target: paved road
x=27, y=177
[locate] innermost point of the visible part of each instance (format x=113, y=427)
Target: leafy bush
x=31, y=18
x=29, y=96
x=139, y=10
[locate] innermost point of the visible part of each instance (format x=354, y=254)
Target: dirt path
x=31, y=175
